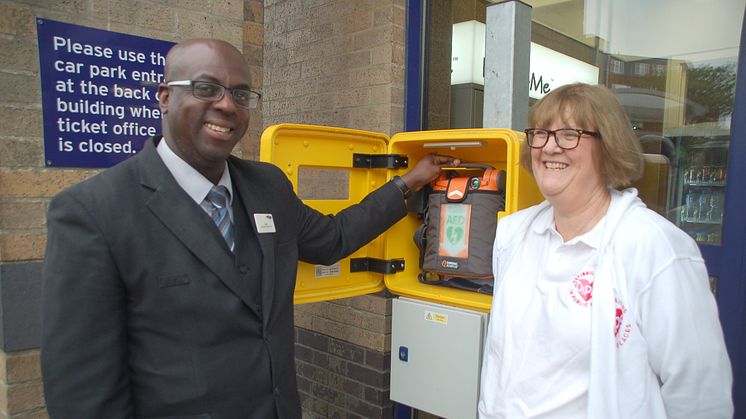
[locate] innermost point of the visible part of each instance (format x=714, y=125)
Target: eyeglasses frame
x=190, y=83
x=550, y=133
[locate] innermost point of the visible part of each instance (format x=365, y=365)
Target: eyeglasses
x=212, y=92
x=566, y=138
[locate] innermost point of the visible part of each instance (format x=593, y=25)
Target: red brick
x=347, y=351
x=253, y=11
x=17, y=20
x=368, y=376
x=312, y=340
x=24, y=397
x=18, y=214
x=44, y=183
x=22, y=246
x=313, y=373
x=376, y=396
x=253, y=33
x=380, y=361
x=20, y=367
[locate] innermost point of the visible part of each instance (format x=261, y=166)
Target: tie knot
x=218, y=196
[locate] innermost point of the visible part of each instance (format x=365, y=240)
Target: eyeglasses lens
x=566, y=138
x=212, y=92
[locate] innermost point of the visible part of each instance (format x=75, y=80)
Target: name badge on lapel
x=264, y=223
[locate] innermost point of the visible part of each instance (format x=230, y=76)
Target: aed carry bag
x=458, y=230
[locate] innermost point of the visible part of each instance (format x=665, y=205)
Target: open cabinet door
x=498, y=148
x=319, y=161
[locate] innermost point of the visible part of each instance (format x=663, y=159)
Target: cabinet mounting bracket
x=381, y=266
x=379, y=161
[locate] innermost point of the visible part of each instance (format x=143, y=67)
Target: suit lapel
x=254, y=202
x=188, y=222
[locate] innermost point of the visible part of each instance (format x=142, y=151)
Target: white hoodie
x=656, y=348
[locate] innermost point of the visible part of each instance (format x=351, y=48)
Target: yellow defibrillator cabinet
x=430, y=324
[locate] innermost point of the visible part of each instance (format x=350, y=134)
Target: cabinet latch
x=381, y=266
x=379, y=161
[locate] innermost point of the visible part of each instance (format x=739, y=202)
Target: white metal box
x=436, y=353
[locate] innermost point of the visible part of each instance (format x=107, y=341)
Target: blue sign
x=98, y=93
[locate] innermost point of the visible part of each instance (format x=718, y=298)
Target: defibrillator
x=458, y=229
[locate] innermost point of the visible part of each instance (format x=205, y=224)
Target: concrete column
x=507, y=52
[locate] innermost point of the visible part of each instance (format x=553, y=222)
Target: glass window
x=642, y=69
x=676, y=81
x=616, y=66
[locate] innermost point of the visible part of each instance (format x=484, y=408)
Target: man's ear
x=163, y=96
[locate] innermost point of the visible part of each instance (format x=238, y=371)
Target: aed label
x=454, y=230
x=432, y=316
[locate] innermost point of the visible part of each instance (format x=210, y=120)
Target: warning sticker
x=323, y=271
x=432, y=316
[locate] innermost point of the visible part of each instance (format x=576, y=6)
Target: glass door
x=676, y=81
x=699, y=180
x=674, y=67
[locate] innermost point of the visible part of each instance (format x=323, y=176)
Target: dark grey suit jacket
x=145, y=313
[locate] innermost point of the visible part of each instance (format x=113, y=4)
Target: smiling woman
x=621, y=160
x=569, y=310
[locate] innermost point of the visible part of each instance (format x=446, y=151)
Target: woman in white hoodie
x=601, y=308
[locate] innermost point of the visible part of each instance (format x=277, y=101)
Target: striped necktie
x=217, y=204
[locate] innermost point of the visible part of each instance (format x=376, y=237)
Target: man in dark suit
x=162, y=302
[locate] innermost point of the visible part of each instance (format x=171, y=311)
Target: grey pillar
x=506, y=65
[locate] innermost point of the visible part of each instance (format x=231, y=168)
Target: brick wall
x=343, y=358
x=339, y=63
x=335, y=62
x=22, y=394
x=253, y=48
x=26, y=186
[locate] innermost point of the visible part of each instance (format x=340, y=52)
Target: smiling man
x=203, y=132
x=169, y=278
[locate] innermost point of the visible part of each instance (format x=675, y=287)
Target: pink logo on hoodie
x=622, y=330
x=581, y=290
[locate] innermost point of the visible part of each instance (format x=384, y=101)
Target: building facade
x=344, y=63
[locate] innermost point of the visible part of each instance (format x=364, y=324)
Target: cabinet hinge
x=379, y=161
x=381, y=266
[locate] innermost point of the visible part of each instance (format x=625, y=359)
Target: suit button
x=243, y=269
x=268, y=338
x=277, y=391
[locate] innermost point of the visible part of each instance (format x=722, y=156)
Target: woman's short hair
x=593, y=108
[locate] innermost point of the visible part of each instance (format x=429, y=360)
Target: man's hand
x=427, y=170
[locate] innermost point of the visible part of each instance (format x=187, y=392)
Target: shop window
x=677, y=88
x=642, y=69
x=616, y=66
